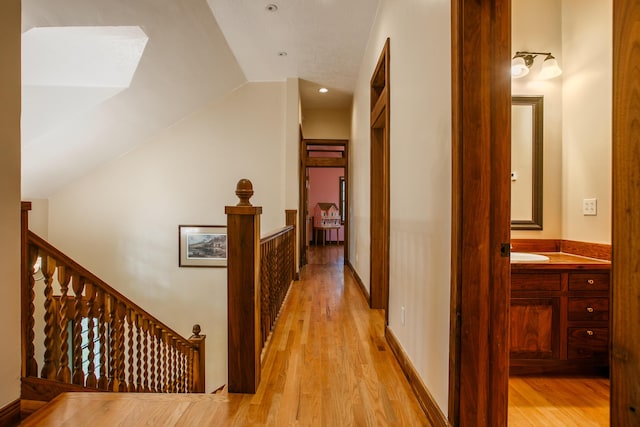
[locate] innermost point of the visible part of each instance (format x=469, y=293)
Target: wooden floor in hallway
x=328, y=365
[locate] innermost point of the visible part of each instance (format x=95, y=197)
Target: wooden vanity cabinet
x=559, y=320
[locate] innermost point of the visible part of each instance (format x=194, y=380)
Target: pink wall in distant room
x=324, y=187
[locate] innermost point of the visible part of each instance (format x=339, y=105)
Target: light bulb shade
x=550, y=68
x=519, y=67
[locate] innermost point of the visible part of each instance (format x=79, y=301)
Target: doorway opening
x=324, y=202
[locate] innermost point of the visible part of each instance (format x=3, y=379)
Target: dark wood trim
x=427, y=402
x=326, y=162
x=347, y=199
x=44, y=390
x=380, y=182
x=357, y=278
x=535, y=245
x=341, y=152
x=326, y=142
x=625, y=353
x=455, y=309
x=10, y=414
x=302, y=200
x=591, y=250
x=537, y=105
x=481, y=111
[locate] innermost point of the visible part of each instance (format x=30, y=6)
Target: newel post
x=199, y=363
x=29, y=365
x=292, y=219
x=243, y=291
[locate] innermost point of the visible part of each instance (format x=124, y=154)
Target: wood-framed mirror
x=526, y=162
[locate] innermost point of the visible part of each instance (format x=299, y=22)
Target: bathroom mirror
x=526, y=162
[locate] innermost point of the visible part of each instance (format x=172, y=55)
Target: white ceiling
x=190, y=59
x=324, y=41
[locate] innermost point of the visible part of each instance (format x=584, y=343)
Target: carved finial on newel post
x=244, y=191
x=195, y=331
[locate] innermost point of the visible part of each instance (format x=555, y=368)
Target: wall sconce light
x=522, y=62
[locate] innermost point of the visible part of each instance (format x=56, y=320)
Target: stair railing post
x=292, y=219
x=199, y=362
x=243, y=291
x=27, y=322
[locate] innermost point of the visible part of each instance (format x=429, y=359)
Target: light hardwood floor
x=328, y=365
x=567, y=402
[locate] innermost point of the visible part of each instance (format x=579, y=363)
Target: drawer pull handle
x=589, y=332
x=590, y=282
x=589, y=309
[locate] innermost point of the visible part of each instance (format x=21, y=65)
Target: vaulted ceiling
x=149, y=63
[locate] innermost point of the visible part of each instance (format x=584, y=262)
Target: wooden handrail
x=96, y=337
x=276, y=233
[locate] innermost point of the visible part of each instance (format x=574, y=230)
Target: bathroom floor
x=558, y=401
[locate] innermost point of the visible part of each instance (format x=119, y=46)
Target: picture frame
x=202, y=246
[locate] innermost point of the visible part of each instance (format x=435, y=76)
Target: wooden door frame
x=380, y=206
x=481, y=34
x=321, y=162
x=625, y=294
x=480, y=282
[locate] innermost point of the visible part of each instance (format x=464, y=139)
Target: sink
x=527, y=257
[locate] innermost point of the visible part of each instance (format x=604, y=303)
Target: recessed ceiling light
x=323, y=90
x=283, y=53
x=272, y=7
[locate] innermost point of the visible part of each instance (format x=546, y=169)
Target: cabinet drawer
x=586, y=343
x=535, y=282
x=589, y=281
x=588, y=309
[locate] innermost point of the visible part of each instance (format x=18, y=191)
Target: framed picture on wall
x=202, y=245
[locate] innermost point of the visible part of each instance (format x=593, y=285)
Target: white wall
x=536, y=26
x=420, y=251
x=587, y=92
x=10, y=200
x=320, y=123
x=577, y=111
x=121, y=222
x=39, y=217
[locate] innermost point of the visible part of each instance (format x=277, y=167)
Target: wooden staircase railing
x=277, y=271
x=83, y=333
x=259, y=274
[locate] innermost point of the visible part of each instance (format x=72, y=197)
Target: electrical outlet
x=402, y=315
x=590, y=207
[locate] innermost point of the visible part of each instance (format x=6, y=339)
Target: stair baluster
x=91, y=380
x=48, y=270
x=103, y=381
x=78, y=289
x=64, y=277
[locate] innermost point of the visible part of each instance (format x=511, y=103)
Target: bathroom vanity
x=559, y=317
